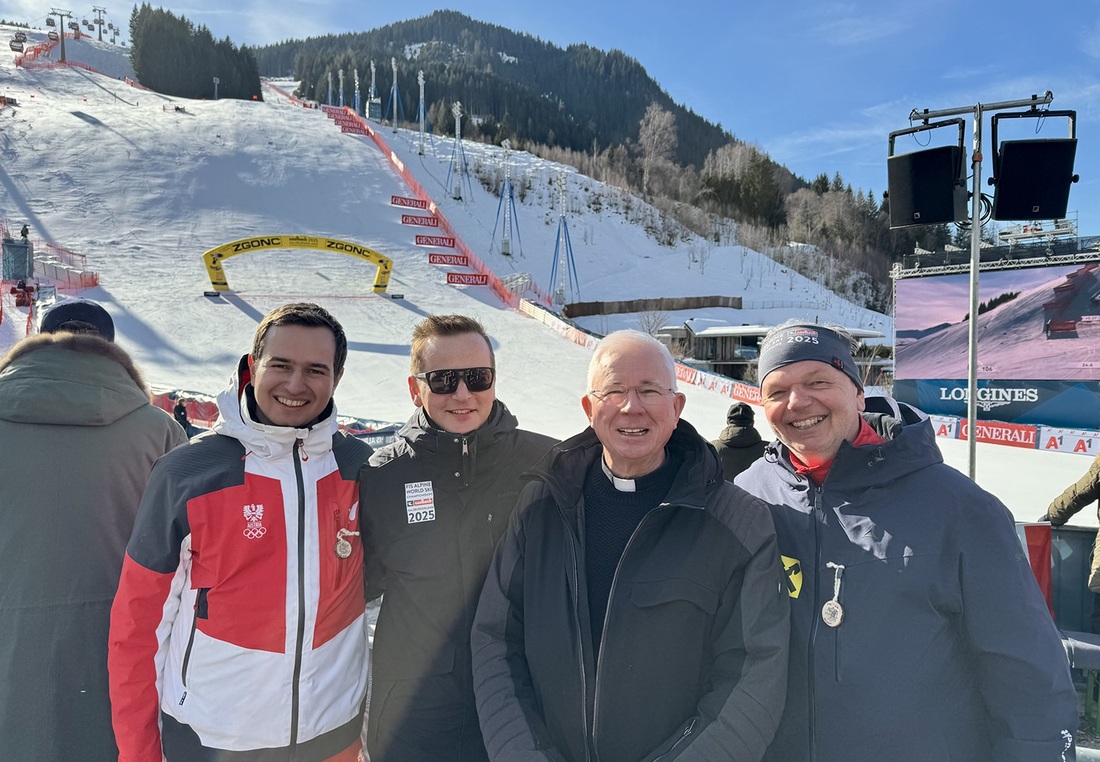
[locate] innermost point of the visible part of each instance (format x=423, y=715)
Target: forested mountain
x=528, y=87
x=602, y=113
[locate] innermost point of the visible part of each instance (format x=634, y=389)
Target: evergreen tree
x=171, y=56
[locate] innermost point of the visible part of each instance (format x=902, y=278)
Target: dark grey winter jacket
x=78, y=438
x=946, y=650
x=738, y=448
x=693, y=657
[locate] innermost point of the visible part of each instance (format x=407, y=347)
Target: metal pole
x=975, y=262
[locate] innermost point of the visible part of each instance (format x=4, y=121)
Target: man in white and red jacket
x=238, y=631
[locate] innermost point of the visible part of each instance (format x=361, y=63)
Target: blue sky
x=817, y=85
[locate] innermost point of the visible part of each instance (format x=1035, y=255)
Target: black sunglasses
x=446, y=381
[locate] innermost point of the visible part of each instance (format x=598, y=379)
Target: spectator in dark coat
x=78, y=438
x=918, y=631
x=740, y=443
x=633, y=610
x=179, y=412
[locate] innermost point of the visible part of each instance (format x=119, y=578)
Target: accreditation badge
x=419, y=502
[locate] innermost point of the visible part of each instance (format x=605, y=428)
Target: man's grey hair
x=620, y=342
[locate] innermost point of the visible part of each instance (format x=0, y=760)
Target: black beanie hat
x=78, y=315
x=740, y=414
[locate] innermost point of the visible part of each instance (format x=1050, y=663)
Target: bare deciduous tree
x=652, y=322
x=657, y=138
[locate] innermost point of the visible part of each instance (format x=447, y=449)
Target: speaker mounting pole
x=977, y=110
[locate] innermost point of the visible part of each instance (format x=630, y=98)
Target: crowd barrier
x=55, y=265
x=202, y=412
x=30, y=60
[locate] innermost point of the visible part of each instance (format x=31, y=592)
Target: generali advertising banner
x=411, y=203
x=455, y=260
x=440, y=241
x=467, y=279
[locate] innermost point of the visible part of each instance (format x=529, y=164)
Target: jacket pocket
x=201, y=612
x=648, y=594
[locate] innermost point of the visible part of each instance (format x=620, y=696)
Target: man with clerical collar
x=918, y=631
x=633, y=607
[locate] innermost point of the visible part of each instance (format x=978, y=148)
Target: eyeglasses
x=446, y=381
x=647, y=395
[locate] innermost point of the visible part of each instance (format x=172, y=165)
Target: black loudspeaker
x=926, y=187
x=1033, y=179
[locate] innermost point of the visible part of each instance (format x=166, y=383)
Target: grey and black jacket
x=694, y=651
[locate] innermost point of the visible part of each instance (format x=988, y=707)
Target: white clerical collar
x=622, y=485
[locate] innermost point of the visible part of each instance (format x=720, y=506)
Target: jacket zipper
x=465, y=461
x=200, y=613
x=300, y=636
x=607, y=617
x=687, y=732
x=580, y=636
x=814, y=618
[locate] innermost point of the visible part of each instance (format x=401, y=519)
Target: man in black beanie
x=918, y=631
x=78, y=439
x=739, y=444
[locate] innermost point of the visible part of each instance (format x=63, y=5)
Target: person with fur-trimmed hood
x=239, y=629
x=634, y=608
x=78, y=439
x=918, y=631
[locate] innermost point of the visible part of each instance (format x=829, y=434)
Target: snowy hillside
x=142, y=185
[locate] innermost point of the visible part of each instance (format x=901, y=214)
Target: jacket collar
x=421, y=433
x=564, y=467
x=910, y=445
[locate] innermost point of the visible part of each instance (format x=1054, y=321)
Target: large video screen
x=1039, y=325
x=1041, y=322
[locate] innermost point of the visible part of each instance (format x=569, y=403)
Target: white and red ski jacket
x=237, y=613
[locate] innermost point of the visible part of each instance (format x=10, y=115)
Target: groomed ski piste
x=142, y=184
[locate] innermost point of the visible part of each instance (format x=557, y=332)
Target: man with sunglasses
x=434, y=504
x=633, y=607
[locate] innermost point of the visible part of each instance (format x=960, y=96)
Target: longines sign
x=989, y=398
x=1028, y=401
